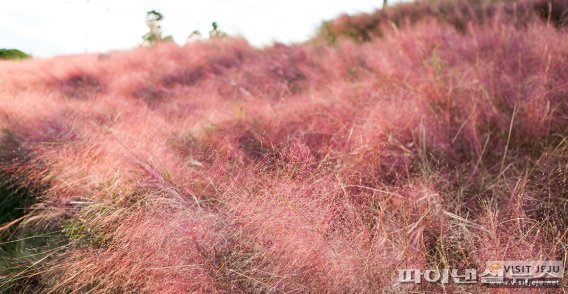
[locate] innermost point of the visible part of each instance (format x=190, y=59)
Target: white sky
x=53, y=27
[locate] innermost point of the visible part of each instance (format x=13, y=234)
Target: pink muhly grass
x=309, y=168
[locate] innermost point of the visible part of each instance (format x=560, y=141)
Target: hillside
x=392, y=140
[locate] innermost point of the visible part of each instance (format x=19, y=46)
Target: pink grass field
x=217, y=167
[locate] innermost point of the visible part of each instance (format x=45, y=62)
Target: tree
x=216, y=32
x=153, y=21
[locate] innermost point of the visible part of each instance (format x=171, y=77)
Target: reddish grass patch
x=319, y=168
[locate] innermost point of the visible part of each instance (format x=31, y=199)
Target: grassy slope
x=218, y=167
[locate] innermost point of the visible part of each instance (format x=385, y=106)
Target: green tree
x=216, y=32
x=153, y=21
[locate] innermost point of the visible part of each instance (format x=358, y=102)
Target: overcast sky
x=53, y=27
